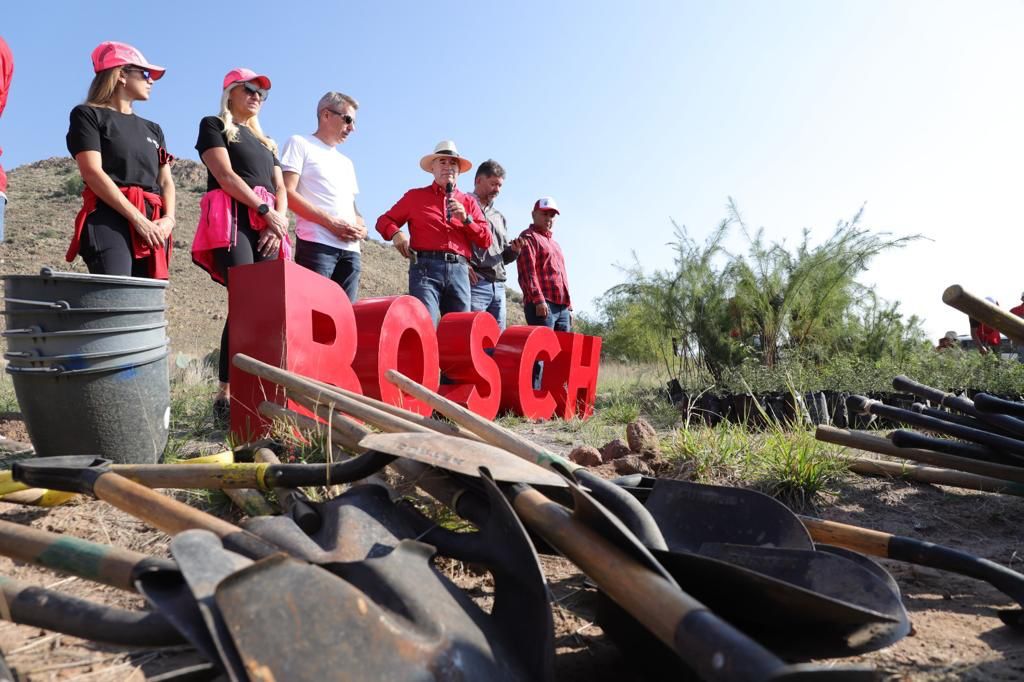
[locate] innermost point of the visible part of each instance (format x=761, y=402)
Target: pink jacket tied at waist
x=218, y=228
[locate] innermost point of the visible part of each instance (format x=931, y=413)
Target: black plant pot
x=675, y=391
x=709, y=408
x=817, y=408
x=835, y=404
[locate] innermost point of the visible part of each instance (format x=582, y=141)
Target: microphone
x=448, y=195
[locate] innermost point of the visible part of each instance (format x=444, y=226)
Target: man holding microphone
x=443, y=224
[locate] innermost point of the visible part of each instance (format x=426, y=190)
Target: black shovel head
x=204, y=562
x=363, y=525
x=295, y=621
x=690, y=514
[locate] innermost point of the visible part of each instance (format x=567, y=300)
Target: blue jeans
x=558, y=318
x=441, y=286
x=3, y=205
x=490, y=297
x=335, y=264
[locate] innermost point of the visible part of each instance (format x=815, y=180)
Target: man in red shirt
x=6, y=74
x=985, y=337
x=1018, y=310
x=542, y=275
x=443, y=222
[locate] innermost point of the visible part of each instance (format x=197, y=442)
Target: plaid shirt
x=542, y=275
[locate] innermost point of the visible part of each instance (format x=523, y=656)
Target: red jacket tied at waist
x=159, y=257
x=218, y=228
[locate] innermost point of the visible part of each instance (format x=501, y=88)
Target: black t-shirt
x=250, y=160
x=128, y=144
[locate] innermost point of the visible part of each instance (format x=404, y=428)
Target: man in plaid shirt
x=542, y=275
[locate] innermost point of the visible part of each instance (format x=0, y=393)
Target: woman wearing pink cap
x=243, y=213
x=127, y=214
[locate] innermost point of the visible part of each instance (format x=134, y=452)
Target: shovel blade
x=691, y=514
x=462, y=456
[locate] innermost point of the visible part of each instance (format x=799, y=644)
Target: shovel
x=632, y=514
x=364, y=524
x=158, y=580
x=880, y=544
x=600, y=545
x=1003, y=422
x=299, y=589
x=933, y=475
x=621, y=504
x=884, y=446
x=51, y=610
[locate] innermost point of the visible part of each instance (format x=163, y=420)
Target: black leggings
x=106, y=244
x=244, y=252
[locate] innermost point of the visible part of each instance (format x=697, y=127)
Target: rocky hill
x=44, y=198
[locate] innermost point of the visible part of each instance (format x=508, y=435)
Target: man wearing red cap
x=542, y=275
x=6, y=73
x=443, y=222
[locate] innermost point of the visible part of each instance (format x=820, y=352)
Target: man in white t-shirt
x=321, y=183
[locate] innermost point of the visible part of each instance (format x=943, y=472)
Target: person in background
x=442, y=226
x=542, y=275
x=947, y=341
x=985, y=338
x=322, y=188
x=6, y=74
x=487, y=267
x=124, y=226
x=1018, y=310
x=243, y=215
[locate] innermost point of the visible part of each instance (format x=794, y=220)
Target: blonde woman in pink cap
x=127, y=214
x=243, y=215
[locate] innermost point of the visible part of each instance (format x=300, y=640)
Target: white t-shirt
x=327, y=179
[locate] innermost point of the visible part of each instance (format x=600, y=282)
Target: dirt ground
x=956, y=633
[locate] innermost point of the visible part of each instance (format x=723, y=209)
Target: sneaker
x=222, y=412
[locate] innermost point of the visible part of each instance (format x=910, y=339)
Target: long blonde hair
x=103, y=87
x=231, y=128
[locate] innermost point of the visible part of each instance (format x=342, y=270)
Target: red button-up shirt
x=542, y=275
x=429, y=229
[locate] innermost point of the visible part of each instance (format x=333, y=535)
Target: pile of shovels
x=692, y=580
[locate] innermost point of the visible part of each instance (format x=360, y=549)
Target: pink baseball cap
x=243, y=75
x=111, y=53
x=546, y=204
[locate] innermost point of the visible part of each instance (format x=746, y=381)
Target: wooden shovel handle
x=934, y=475
x=884, y=446
x=408, y=415
x=488, y=431
x=863, y=540
x=983, y=311
x=311, y=389
x=105, y=564
x=172, y=517
x=710, y=646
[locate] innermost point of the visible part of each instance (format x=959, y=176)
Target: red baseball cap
x=109, y=54
x=243, y=75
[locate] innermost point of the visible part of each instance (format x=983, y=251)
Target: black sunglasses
x=344, y=117
x=145, y=73
x=257, y=90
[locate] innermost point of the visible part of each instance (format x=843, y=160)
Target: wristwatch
x=262, y=209
x=467, y=220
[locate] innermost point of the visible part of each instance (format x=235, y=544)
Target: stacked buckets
x=88, y=358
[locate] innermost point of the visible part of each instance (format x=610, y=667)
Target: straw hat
x=445, y=148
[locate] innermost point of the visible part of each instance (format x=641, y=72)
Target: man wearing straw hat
x=443, y=224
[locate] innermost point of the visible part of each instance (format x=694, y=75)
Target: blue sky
x=629, y=114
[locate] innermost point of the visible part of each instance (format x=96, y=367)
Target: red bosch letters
x=291, y=317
